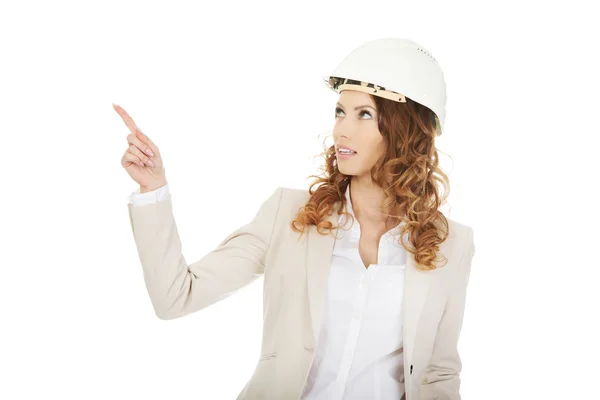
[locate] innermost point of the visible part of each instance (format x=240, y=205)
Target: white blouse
x=360, y=350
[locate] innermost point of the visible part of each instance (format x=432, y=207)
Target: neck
x=367, y=201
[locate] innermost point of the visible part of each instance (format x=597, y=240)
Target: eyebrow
x=356, y=108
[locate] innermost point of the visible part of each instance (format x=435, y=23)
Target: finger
x=133, y=149
x=146, y=140
x=134, y=140
x=126, y=117
x=128, y=156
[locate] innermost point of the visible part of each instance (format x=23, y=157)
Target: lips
x=342, y=156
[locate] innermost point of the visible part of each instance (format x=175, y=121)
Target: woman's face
x=356, y=127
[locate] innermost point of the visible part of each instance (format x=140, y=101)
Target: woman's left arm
x=441, y=379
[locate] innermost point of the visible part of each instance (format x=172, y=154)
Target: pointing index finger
x=126, y=118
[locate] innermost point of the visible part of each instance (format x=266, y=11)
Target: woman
x=373, y=311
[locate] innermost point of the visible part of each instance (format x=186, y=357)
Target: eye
x=337, y=110
x=365, y=112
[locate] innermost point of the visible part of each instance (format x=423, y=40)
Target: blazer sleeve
x=441, y=380
x=177, y=288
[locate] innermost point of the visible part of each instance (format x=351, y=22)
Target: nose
x=345, y=128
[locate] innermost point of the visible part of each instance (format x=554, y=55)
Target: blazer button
x=424, y=380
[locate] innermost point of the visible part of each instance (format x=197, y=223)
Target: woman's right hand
x=141, y=159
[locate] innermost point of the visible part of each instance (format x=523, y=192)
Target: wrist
x=154, y=186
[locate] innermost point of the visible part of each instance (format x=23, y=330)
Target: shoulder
x=287, y=200
x=294, y=196
x=458, y=229
x=295, y=191
x=461, y=236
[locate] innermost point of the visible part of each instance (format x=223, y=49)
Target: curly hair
x=407, y=173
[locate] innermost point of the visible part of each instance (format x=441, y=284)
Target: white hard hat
x=393, y=68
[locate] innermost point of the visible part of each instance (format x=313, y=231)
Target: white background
x=231, y=92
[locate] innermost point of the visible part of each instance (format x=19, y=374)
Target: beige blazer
x=295, y=276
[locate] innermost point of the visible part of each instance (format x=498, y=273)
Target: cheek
x=376, y=145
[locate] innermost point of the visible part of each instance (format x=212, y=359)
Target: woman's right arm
x=175, y=287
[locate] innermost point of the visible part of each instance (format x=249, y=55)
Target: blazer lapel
x=416, y=288
x=319, y=252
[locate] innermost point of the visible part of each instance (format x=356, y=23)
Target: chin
x=346, y=171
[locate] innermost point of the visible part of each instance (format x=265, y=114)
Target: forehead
x=353, y=98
